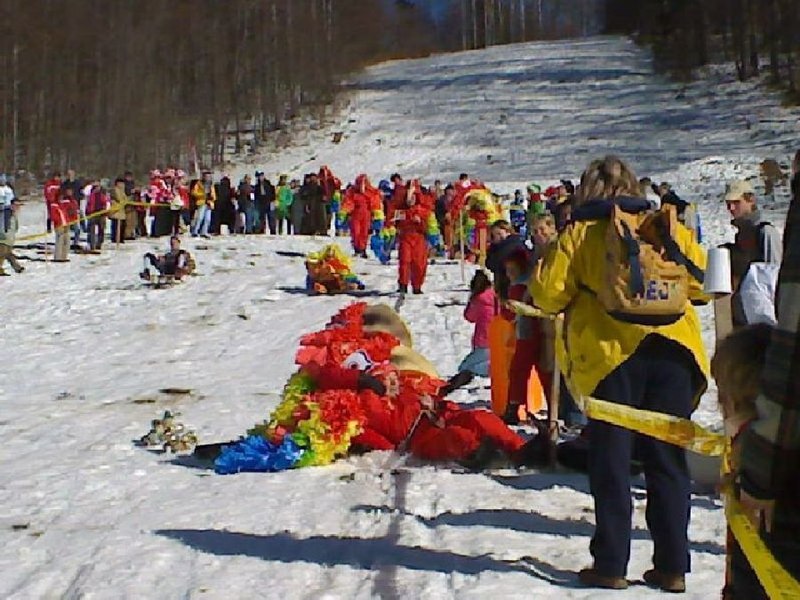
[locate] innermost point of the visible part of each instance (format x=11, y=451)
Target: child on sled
x=175, y=264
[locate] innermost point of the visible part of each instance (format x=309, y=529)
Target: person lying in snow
x=176, y=263
x=361, y=387
x=329, y=271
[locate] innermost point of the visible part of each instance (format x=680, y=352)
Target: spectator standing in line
x=770, y=444
x=756, y=240
x=7, y=237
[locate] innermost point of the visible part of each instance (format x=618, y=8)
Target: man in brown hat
x=756, y=240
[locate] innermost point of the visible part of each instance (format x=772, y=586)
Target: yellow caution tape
x=667, y=428
x=526, y=310
x=113, y=208
x=777, y=581
x=685, y=433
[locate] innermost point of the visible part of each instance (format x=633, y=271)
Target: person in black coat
x=265, y=200
x=224, y=211
x=314, y=219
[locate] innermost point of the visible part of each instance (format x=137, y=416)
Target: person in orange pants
x=410, y=217
x=529, y=337
x=362, y=203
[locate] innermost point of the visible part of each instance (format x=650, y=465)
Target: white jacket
x=6, y=195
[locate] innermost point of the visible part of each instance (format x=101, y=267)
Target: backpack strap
x=636, y=281
x=675, y=254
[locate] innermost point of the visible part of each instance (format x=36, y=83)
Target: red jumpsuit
x=459, y=433
x=359, y=203
x=412, y=246
x=450, y=433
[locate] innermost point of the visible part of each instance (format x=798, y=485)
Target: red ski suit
x=448, y=433
x=412, y=246
x=360, y=201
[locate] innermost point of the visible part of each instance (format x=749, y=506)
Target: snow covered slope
x=86, y=350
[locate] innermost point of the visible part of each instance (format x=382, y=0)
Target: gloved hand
x=368, y=382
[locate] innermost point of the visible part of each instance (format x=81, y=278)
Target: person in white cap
x=756, y=240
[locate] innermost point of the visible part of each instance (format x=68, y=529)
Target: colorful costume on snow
x=329, y=272
x=474, y=209
x=326, y=408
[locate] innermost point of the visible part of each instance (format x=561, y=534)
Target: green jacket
x=7, y=237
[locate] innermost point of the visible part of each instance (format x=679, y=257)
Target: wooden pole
x=555, y=394
x=723, y=317
x=482, y=243
x=461, y=244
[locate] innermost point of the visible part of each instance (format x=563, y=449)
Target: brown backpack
x=646, y=279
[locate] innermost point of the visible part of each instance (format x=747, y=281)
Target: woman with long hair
x=658, y=367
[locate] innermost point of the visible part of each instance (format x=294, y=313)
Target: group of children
x=533, y=337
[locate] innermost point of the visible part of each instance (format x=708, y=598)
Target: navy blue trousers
x=659, y=376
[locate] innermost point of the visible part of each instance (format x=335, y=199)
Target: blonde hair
x=545, y=218
x=737, y=366
x=608, y=177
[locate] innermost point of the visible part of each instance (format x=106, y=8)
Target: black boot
x=511, y=415
x=535, y=452
x=485, y=456
x=210, y=452
x=458, y=380
x=403, y=289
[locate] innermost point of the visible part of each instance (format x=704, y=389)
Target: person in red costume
x=330, y=185
x=400, y=397
x=63, y=213
x=360, y=202
x=52, y=193
x=410, y=217
x=364, y=356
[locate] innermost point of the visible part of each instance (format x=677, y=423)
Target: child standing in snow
x=737, y=367
x=480, y=310
x=528, y=332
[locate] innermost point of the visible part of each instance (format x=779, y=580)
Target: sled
x=161, y=281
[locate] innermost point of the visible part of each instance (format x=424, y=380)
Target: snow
x=87, y=348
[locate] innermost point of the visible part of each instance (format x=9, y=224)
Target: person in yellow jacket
x=660, y=368
x=204, y=196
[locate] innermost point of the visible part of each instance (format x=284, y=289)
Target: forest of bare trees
x=759, y=36
x=103, y=85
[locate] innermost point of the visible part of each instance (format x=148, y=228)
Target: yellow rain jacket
x=595, y=343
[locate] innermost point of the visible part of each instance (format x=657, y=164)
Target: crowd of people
x=618, y=256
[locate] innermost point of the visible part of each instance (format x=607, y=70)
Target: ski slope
x=86, y=349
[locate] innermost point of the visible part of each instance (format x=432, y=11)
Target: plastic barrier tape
x=114, y=208
x=777, y=582
x=667, y=428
